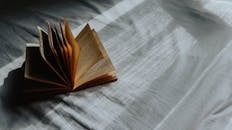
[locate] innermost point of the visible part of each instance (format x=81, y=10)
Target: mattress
x=172, y=57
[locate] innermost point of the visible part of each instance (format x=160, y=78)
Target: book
x=63, y=63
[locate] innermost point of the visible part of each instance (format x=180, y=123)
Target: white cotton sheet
x=172, y=57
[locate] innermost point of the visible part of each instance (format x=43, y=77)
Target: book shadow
x=11, y=91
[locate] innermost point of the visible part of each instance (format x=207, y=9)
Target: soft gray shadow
x=11, y=93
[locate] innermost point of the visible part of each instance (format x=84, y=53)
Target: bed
x=172, y=57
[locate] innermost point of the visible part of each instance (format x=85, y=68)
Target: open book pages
x=67, y=63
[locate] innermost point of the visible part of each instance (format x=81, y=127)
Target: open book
x=67, y=63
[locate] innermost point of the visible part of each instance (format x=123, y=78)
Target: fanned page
x=61, y=54
x=101, y=72
x=48, y=53
x=61, y=62
x=37, y=69
x=69, y=38
x=90, y=52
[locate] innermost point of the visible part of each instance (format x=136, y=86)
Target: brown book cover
x=66, y=63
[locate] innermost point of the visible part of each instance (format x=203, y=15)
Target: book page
x=103, y=79
x=37, y=69
x=47, y=53
x=67, y=49
x=61, y=60
x=54, y=45
x=69, y=38
x=90, y=52
x=102, y=69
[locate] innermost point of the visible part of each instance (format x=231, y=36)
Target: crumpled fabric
x=172, y=57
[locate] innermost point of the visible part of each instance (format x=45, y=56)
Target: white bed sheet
x=172, y=59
